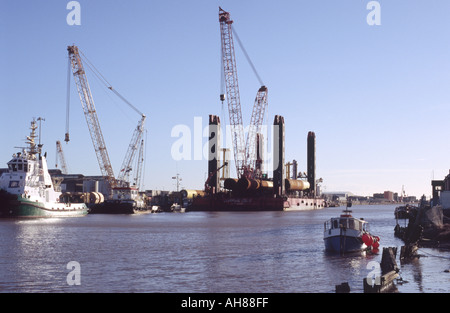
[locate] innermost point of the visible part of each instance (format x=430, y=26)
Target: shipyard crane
x=244, y=149
x=136, y=145
x=90, y=113
x=60, y=158
x=87, y=102
x=139, y=164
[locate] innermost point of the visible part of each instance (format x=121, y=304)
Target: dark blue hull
x=344, y=244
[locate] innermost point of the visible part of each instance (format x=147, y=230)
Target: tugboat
x=348, y=234
x=27, y=189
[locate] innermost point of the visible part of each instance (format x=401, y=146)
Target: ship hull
x=343, y=244
x=303, y=204
x=115, y=207
x=217, y=203
x=17, y=206
x=222, y=202
x=343, y=241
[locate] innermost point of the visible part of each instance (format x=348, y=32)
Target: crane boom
x=139, y=165
x=91, y=115
x=60, y=157
x=232, y=89
x=135, y=145
x=256, y=121
x=245, y=153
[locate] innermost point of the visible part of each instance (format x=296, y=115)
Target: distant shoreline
x=386, y=202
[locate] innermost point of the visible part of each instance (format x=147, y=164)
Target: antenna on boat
x=40, y=119
x=349, y=205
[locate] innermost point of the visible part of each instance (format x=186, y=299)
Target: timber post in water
x=343, y=288
x=311, y=162
x=389, y=272
x=278, y=156
x=214, y=153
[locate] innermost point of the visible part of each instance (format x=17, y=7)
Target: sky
x=377, y=96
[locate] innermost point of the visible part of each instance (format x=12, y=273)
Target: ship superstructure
x=27, y=189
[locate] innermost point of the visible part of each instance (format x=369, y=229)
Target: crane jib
x=245, y=150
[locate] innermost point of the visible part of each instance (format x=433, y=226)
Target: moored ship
x=27, y=189
x=262, y=198
x=283, y=192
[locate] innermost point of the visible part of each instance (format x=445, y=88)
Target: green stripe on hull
x=25, y=208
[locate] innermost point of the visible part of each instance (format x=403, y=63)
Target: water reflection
x=31, y=255
x=197, y=252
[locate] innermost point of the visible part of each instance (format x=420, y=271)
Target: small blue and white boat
x=348, y=234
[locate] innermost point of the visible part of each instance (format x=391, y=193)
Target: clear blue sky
x=377, y=97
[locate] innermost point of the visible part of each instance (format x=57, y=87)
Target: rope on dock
x=433, y=255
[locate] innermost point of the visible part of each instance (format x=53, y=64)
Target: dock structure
x=389, y=272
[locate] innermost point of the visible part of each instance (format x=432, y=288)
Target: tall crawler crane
x=136, y=145
x=245, y=153
x=90, y=113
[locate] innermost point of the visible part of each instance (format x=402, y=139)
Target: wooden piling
x=408, y=252
x=389, y=272
x=343, y=288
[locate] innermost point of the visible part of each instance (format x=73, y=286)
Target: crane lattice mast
x=232, y=89
x=256, y=121
x=245, y=153
x=136, y=145
x=91, y=115
x=139, y=165
x=60, y=157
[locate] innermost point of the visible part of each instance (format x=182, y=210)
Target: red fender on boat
x=367, y=239
x=376, y=242
x=375, y=245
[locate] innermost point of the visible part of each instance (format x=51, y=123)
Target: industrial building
x=385, y=197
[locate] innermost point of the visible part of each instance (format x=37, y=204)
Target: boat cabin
x=18, y=164
x=125, y=193
x=14, y=180
x=348, y=222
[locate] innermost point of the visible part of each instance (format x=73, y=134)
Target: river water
x=200, y=252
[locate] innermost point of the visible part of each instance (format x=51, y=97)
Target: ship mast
x=32, y=148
